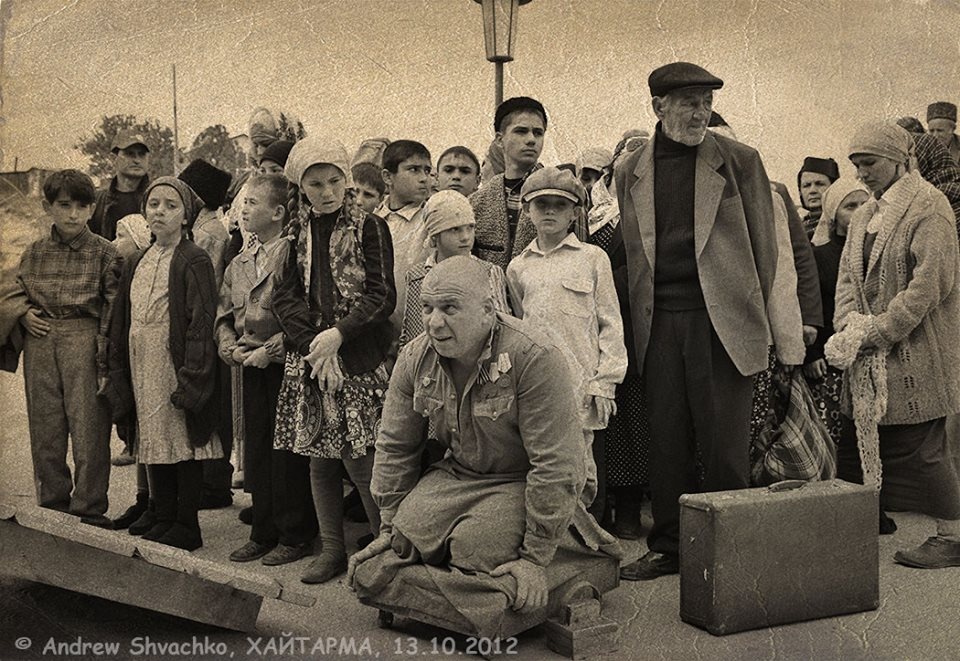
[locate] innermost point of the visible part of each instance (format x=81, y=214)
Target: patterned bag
x=794, y=444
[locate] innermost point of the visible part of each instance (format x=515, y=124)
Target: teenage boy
x=124, y=195
x=284, y=521
x=370, y=187
x=406, y=173
x=458, y=169
x=70, y=279
x=520, y=124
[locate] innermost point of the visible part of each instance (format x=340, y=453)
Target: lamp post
x=499, y=32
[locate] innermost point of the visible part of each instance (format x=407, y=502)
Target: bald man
x=502, y=402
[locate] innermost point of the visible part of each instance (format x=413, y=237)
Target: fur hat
x=942, y=110
x=207, y=181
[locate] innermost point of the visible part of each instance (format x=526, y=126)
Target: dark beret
x=277, y=152
x=209, y=182
x=513, y=105
x=679, y=75
x=825, y=166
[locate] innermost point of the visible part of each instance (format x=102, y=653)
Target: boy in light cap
x=449, y=224
x=566, y=288
x=590, y=168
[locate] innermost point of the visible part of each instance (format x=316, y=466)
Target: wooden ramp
x=53, y=548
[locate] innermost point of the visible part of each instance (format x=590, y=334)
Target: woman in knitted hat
x=840, y=200
x=897, y=315
x=814, y=177
x=163, y=363
x=333, y=303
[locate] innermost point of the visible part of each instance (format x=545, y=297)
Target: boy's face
x=324, y=185
x=589, y=176
x=454, y=241
x=260, y=216
x=552, y=215
x=68, y=215
x=132, y=161
x=457, y=172
x=368, y=197
x=411, y=182
x=521, y=137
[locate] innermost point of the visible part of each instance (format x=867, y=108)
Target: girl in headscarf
x=897, y=315
x=840, y=200
x=333, y=303
x=163, y=362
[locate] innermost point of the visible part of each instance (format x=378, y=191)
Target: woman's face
x=324, y=185
x=812, y=185
x=850, y=203
x=876, y=172
x=165, y=213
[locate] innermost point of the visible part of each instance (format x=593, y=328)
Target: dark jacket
x=106, y=199
x=193, y=309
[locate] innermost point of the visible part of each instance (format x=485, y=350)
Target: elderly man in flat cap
x=696, y=212
x=124, y=195
x=942, y=122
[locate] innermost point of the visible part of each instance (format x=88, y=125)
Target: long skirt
x=627, y=444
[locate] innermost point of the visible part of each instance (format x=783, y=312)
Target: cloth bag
x=794, y=444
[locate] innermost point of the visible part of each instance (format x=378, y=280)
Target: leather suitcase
x=785, y=553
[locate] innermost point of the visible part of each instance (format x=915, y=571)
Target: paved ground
x=918, y=616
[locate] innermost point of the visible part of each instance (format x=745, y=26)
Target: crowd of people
x=501, y=358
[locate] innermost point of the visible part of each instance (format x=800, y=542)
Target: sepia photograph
x=534, y=329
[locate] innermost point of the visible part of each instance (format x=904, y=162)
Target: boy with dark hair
x=458, y=169
x=284, y=521
x=406, y=172
x=520, y=124
x=70, y=279
x=368, y=180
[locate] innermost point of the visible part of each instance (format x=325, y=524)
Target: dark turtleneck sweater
x=676, y=282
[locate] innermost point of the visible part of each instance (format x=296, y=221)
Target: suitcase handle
x=786, y=485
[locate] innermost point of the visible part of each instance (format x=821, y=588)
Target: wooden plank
x=46, y=558
x=69, y=527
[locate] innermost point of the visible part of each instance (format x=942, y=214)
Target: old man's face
x=685, y=113
x=457, y=309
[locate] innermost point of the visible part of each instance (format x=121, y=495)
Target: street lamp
x=499, y=32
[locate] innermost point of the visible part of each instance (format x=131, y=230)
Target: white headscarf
x=832, y=198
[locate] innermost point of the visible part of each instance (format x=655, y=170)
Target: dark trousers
x=699, y=406
x=218, y=473
x=278, y=480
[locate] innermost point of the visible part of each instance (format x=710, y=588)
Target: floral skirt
x=826, y=395
x=336, y=425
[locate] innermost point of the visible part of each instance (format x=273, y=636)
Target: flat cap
x=679, y=75
x=942, y=110
x=125, y=139
x=553, y=181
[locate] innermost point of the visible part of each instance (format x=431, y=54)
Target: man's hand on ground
x=376, y=547
x=531, y=584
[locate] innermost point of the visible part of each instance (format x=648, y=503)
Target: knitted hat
x=207, y=181
x=886, y=140
x=594, y=158
x=192, y=204
x=553, y=181
x=680, y=75
x=446, y=209
x=277, y=152
x=942, y=110
x=316, y=150
x=515, y=104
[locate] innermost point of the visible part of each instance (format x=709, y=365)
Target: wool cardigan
x=193, y=308
x=910, y=286
x=492, y=238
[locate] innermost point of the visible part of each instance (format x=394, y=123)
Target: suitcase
x=789, y=552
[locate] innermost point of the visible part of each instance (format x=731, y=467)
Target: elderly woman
x=898, y=300
x=814, y=177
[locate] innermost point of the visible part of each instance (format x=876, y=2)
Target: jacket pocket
x=493, y=407
x=427, y=406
